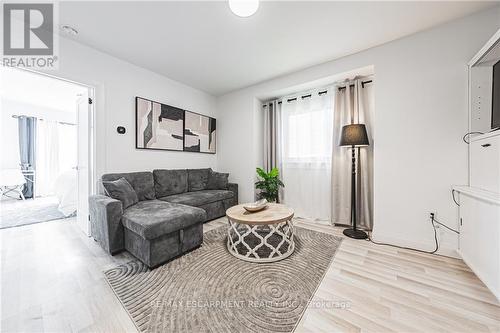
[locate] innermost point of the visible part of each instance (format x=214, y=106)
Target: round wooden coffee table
x=263, y=236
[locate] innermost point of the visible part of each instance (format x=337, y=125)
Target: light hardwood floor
x=52, y=281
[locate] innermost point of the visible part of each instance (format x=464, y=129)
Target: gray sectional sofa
x=158, y=215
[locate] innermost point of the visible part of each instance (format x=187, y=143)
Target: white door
x=83, y=108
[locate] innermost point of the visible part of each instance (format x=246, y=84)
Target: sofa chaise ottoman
x=159, y=215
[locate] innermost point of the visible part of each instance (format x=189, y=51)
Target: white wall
x=117, y=84
x=420, y=91
x=9, y=139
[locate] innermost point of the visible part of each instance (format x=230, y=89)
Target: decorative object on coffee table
x=256, y=206
x=263, y=236
x=354, y=136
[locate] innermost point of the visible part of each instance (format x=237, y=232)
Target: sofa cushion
x=217, y=180
x=142, y=182
x=154, y=218
x=199, y=198
x=121, y=189
x=169, y=182
x=198, y=179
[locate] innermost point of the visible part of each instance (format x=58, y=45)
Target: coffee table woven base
x=261, y=243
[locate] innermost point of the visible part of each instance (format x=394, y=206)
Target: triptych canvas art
x=161, y=126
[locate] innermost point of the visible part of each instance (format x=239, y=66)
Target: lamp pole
x=355, y=136
x=353, y=189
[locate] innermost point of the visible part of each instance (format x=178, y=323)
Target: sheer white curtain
x=306, y=137
x=56, y=152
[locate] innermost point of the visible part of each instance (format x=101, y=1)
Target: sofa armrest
x=105, y=222
x=233, y=187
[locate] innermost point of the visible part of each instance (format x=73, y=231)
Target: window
x=307, y=130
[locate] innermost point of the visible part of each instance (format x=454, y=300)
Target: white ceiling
x=39, y=90
x=204, y=45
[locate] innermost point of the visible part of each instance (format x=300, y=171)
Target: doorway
x=46, y=155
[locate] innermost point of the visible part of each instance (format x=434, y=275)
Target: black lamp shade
x=354, y=135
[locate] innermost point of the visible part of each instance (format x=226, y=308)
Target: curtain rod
x=322, y=92
x=41, y=119
x=352, y=85
x=305, y=96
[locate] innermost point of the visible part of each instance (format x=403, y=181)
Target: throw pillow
x=217, y=181
x=198, y=179
x=121, y=189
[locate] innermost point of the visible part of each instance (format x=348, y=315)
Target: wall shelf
x=478, y=193
x=485, y=135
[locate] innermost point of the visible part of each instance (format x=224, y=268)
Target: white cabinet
x=479, y=238
x=485, y=162
x=479, y=210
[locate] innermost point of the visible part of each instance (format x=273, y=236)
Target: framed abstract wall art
x=199, y=133
x=165, y=127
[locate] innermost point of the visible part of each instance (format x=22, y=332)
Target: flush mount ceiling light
x=244, y=8
x=69, y=30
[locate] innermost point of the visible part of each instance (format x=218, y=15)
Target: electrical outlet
x=432, y=216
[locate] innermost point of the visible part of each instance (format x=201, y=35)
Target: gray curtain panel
x=272, y=132
x=353, y=105
x=272, y=138
x=27, y=135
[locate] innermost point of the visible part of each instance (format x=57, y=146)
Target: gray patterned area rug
x=209, y=290
x=15, y=213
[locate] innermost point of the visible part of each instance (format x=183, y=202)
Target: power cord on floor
x=410, y=248
x=433, y=221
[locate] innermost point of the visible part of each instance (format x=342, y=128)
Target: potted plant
x=269, y=184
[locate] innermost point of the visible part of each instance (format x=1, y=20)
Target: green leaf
x=274, y=173
x=261, y=173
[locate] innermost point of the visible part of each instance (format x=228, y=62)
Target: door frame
x=92, y=130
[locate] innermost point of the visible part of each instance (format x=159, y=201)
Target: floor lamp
x=354, y=136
